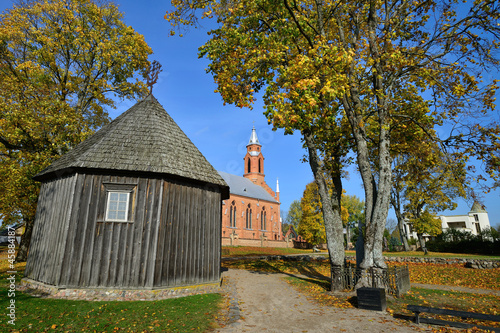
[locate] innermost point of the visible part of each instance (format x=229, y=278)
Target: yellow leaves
x=35, y=92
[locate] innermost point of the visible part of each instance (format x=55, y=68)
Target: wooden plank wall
x=49, y=232
x=188, y=248
x=172, y=238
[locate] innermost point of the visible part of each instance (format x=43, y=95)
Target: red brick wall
x=273, y=224
x=256, y=243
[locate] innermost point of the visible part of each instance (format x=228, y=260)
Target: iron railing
x=395, y=279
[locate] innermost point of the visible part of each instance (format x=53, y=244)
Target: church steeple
x=254, y=140
x=254, y=161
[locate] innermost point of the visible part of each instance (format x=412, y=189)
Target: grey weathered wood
x=115, y=250
x=167, y=270
x=74, y=266
x=184, y=222
x=90, y=251
x=162, y=231
x=168, y=242
x=72, y=235
x=172, y=237
x=142, y=188
x=62, y=238
x=153, y=252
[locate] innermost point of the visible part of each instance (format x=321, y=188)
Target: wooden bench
x=462, y=314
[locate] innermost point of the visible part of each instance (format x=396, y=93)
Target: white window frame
x=126, y=206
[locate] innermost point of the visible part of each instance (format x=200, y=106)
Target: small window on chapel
x=117, y=207
x=118, y=202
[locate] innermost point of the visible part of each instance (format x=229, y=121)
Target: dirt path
x=267, y=303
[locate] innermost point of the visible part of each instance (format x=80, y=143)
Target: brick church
x=251, y=216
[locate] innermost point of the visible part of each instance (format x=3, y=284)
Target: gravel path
x=267, y=303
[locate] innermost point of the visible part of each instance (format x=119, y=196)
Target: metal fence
x=396, y=279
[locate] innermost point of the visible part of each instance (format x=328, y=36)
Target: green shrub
x=456, y=241
x=393, y=242
x=412, y=241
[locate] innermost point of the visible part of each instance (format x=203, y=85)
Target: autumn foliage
x=62, y=63
x=348, y=75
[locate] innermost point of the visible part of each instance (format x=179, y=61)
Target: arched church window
x=248, y=166
x=263, y=216
x=232, y=215
x=260, y=166
x=248, y=223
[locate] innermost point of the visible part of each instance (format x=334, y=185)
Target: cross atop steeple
x=254, y=140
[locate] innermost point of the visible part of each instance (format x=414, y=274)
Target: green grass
x=248, y=251
x=420, y=254
x=185, y=314
x=461, y=301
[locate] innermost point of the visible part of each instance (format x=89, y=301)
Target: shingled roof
x=144, y=139
x=242, y=186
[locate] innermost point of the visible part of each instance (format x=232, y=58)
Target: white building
x=474, y=222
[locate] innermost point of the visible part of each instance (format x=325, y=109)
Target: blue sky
x=221, y=132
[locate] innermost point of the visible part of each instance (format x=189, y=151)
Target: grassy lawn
x=461, y=301
x=248, y=251
x=186, y=314
x=420, y=254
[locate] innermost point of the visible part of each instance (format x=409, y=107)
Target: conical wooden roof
x=143, y=139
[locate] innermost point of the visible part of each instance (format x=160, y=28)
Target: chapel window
x=118, y=198
x=232, y=215
x=248, y=223
x=263, y=217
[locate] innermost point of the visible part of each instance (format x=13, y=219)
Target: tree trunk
x=396, y=204
x=22, y=252
x=331, y=214
x=348, y=236
x=421, y=241
x=377, y=194
x=402, y=235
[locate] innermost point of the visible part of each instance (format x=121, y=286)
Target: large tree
x=294, y=214
x=433, y=181
x=355, y=208
x=312, y=225
x=348, y=72
x=61, y=64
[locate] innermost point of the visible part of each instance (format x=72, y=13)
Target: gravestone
x=371, y=299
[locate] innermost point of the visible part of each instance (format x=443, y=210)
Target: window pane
x=122, y=205
x=113, y=205
x=121, y=215
x=116, y=209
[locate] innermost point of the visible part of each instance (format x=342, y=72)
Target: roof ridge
x=145, y=138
